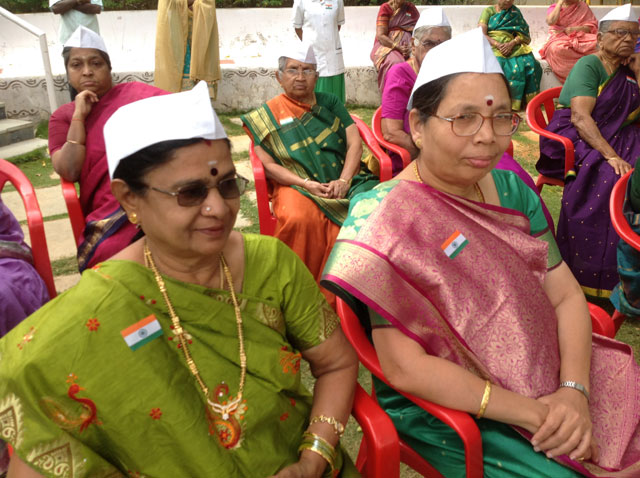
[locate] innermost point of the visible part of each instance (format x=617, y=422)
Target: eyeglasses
x=308, y=72
x=622, y=32
x=504, y=124
x=429, y=43
x=195, y=194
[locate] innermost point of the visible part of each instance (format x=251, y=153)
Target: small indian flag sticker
x=454, y=244
x=142, y=332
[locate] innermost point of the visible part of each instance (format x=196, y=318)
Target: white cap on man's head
x=84, y=37
x=301, y=51
x=161, y=118
x=469, y=52
x=625, y=13
x=432, y=17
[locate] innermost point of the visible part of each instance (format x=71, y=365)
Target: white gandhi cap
x=153, y=120
x=469, y=52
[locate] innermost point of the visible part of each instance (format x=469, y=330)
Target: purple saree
x=483, y=308
x=585, y=236
x=22, y=290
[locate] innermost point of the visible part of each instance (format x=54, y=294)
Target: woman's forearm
x=589, y=132
x=282, y=175
x=69, y=159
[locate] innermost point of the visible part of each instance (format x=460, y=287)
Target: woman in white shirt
x=320, y=21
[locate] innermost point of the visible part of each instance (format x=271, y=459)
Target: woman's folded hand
x=567, y=429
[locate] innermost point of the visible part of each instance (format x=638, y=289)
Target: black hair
x=428, y=97
x=134, y=167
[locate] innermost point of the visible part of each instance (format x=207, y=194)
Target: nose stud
x=207, y=209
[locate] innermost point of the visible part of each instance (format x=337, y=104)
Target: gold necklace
x=419, y=178
x=223, y=410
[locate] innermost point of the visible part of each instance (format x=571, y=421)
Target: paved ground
x=58, y=231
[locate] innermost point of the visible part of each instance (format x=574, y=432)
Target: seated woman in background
x=433, y=28
x=22, y=290
x=181, y=355
x=598, y=110
x=572, y=35
x=471, y=305
x=508, y=33
x=76, y=143
x=394, y=26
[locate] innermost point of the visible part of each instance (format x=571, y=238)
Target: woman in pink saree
x=76, y=143
x=394, y=27
x=572, y=34
x=470, y=302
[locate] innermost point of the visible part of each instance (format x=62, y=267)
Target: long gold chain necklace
x=419, y=178
x=223, y=410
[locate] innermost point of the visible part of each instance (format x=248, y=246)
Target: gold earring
x=133, y=218
x=419, y=143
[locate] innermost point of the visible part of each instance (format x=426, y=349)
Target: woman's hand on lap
x=84, y=102
x=567, y=430
x=318, y=189
x=339, y=189
x=310, y=465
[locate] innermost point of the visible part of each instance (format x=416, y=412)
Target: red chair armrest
x=381, y=453
x=618, y=220
x=601, y=322
x=371, y=142
x=265, y=217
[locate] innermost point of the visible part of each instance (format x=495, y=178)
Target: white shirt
x=71, y=20
x=319, y=20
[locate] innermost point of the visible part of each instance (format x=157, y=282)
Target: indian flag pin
x=142, y=332
x=454, y=244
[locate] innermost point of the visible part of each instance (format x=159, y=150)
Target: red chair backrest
x=620, y=223
x=76, y=216
x=42, y=263
x=376, y=123
x=267, y=220
x=370, y=140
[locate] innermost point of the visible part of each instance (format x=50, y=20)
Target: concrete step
x=14, y=131
x=3, y=111
x=23, y=147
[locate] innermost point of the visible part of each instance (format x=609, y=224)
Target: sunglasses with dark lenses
x=195, y=194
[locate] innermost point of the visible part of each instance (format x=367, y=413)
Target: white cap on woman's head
x=161, y=118
x=625, y=13
x=83, y=37
x=432, y=17
x=469, y=52
x=301, y=51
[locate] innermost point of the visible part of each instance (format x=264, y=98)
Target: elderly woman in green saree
x=508, y=34
x=180, y=356
x=471, y=306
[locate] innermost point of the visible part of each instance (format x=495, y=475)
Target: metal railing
x=44, y=50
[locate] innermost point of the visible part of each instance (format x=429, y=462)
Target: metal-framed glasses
x=468, y=124
x=623, y=32
x=194, y=194
x=307, y=72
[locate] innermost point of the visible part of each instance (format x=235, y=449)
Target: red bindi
x=214, y=171
x=489, y=102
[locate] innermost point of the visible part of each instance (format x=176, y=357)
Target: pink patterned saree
x=465, y=281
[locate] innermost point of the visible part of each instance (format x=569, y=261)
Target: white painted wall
x=250, y=37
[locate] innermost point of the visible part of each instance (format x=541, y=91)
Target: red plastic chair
x=376, y=124
x=538, y=123
x=461, y=422
x=73, y=208
x=41, y=262
x=379, y=448
x=622, y=227
x=265, y=215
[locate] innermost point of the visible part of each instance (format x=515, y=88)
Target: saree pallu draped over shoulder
x=106, y=390
x=586, y=237
x=483, y=305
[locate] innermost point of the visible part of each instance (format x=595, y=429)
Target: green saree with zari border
x=77, y=401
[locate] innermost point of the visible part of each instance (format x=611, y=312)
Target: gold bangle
x=338, y=427
x=317, y=444
x=344, y=180
x=75, y=142
x=485, y=399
